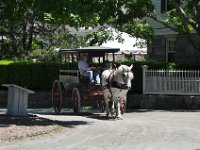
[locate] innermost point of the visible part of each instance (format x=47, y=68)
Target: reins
x=114, y=84
x=109, y=80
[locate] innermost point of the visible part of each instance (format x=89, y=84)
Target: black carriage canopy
x=93, y=51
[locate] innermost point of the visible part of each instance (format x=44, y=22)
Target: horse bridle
x=116, y=84
x=124, y=77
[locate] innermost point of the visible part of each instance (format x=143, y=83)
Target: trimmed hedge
x=41, y=75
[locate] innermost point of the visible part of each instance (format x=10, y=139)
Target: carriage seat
x=84, y=80
x=108, y=65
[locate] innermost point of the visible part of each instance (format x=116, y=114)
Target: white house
x=132, y=47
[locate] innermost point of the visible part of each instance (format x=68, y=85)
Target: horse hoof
x=119, y=118
x=107, y=114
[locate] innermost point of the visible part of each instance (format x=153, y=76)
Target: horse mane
x=124, y=68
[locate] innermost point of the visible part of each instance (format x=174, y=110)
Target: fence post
x=144, y=70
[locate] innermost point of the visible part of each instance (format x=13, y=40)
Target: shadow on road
x=93, y=114
x=156, y=110
x=34, y=120
x=100, y=117
x=88, y=114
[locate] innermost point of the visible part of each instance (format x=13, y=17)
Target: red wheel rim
x=76, y=100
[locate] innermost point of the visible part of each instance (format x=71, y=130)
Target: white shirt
x=83, y=67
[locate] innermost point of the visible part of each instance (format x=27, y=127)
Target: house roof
x=129, y=45
x=125, y=47
x=98, y=49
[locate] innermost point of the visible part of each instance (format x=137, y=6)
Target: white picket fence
x=171, y=82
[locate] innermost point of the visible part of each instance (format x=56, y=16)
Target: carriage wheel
x=57, y=96
x=76, y=100
x=122, y=106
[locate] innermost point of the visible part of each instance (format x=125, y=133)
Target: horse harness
x=114, y=84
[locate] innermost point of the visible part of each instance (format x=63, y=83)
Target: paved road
x=139, y=130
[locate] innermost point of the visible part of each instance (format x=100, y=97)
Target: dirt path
x=139, y=130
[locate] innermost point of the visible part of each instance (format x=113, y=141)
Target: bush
x=5, y=62
x=39, y=75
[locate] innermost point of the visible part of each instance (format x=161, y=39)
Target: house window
x=170, y=50
x=167, y=5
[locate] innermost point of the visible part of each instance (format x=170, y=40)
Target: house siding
x=157, y=50
x=159, y=29
x=184, y=51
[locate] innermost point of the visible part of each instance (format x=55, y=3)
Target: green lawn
x=5, y=62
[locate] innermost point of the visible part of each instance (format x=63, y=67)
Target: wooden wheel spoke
x=76, y=100
x=57, y=96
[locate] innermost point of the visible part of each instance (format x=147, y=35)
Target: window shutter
x=163, y=8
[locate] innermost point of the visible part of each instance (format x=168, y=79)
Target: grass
x=88, y=107
x=5, y=62
x=58, y=129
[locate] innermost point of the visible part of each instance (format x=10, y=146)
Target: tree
x=126, y=16
x=23, y=21
x=17, y=25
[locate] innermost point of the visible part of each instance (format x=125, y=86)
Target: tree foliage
x=184, y=19
x=24, y=21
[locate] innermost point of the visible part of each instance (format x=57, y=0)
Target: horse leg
x=107, y=98
x=112, y=108
x=107, y=107
x=105, y=94
x=119, y=115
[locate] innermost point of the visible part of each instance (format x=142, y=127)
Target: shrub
x=39, y=75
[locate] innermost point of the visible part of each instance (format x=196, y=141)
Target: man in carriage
x=86, y=71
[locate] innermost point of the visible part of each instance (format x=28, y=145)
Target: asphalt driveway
x=139, y=130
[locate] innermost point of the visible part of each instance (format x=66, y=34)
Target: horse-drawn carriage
x=71, y=88
x=75, y=90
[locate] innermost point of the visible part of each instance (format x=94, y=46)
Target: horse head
x=124, y=75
